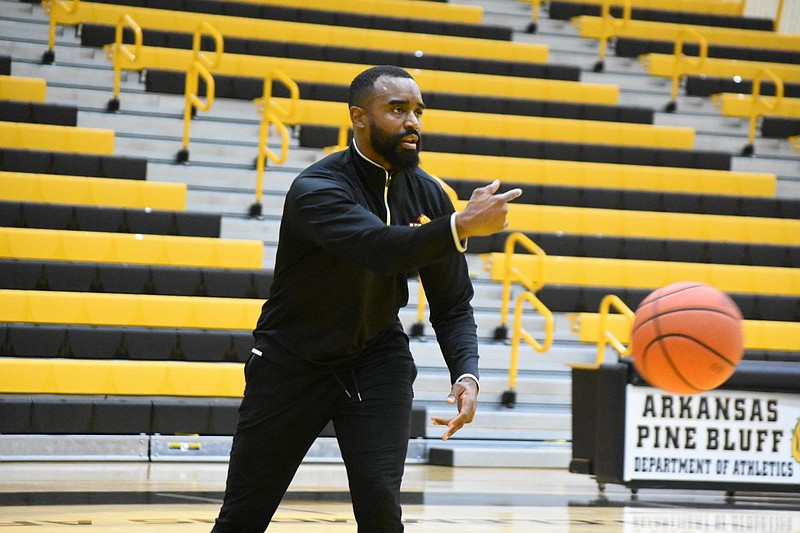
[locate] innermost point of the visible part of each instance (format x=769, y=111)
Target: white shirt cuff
x=460, y=246
x=468, y=375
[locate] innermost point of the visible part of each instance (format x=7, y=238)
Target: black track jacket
x=341, y=270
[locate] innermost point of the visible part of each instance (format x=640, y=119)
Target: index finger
x=510, y=195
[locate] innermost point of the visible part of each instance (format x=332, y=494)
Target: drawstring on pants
x=355, y=383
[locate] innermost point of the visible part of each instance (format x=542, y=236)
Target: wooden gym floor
x=184, y=498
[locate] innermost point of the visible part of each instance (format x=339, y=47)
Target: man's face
x=394, y=122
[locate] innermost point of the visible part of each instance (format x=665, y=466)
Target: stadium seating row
x=81, y=190
x=650, y=249
x=124, y=343
x=58, y=138
x=707, y=85
x=312, y=136
x=38, y=112
x=560, y=10
x=642, y=200
x=134, y=279
x=22, y=414
x=631, y=273
x=108, y=219
x=247, y=88
x=27, y=243
x=72, y=163
x=94, y=35
x=629, y=47
x=599, y=175
x=329, y=17
x=779, y=127
x=22, y=89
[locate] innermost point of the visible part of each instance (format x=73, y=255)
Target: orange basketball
x=687, y=338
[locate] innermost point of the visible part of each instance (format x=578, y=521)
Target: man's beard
x=388, y=146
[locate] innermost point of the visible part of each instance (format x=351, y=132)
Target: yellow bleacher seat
x=625, y=223
x=414, y=9
x=137, y=378
x=664, y=65
x=303, y=70
x=25, y=243
x=511, y=126
x=138, y=310
x=297, y=32
x=639, y=274
x=741, y=105
x=22, y=89
x=603, y=175
x=758, y=334
x=591, y=27
x=56, y=138
x=24, y=187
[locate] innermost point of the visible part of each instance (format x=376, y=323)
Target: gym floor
x=185, y=497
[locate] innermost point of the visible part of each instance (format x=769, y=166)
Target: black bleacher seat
x=630, y=47
x=779, y=127
x=5, y=65
x=328, y=17
x=594, y=197
x=70, y=163
x=38, y=113
x=98, y=35
x=312, y=136
x=50, y=414
x=123, y=343
x=109, y=219
x=650, y=249
x=244, y=88
x=708, y=85
x=24, y=274
x=566, y=10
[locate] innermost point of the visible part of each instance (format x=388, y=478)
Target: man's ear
x=358, y=117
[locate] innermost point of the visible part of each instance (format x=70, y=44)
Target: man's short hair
x=363, y=84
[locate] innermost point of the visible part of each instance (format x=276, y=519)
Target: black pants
x=283, y=412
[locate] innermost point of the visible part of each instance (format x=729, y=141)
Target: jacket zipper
x=386, y=198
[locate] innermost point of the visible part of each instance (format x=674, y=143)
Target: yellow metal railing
x=682, y=61
x=536, y=6
x=762, y=106
x=532, y=285
x=605, y=334
x=607, y=30
x=199, y=68
x=509, y=396
x=54, y=8
x=119, y=52
x=273, y=114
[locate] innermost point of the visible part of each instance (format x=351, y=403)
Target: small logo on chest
x=422, y=219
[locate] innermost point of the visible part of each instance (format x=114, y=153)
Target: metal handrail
x=679, y=67
x=199, y=67
x=52, y=7
x=760, y=105
x=605, y=335
x=272, y=113
x=521, y=333
x=191, y=98
x=531, y=285
x=609, y=24
x=118, y=52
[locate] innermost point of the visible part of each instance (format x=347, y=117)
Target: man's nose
x=413, y=121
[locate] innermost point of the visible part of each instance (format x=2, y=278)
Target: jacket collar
x=369, y=168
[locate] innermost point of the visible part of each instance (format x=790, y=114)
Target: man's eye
x=418, y=113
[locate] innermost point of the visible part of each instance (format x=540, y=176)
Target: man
x=329, y=344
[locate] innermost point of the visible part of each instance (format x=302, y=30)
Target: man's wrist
x=472, y=377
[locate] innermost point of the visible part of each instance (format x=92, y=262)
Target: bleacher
x=129, y=284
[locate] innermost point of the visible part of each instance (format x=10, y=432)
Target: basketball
x=687, y=338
